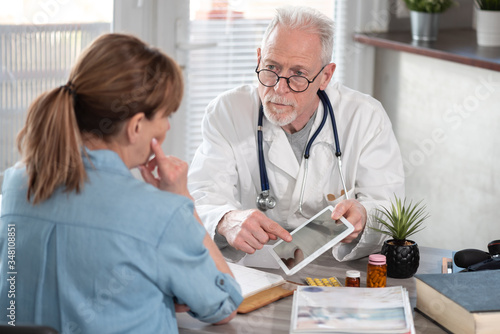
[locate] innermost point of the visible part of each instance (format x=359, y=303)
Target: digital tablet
x=310, y=240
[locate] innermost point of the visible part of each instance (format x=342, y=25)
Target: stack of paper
x=351, y=310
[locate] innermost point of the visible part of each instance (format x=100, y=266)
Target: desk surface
x=275, y=317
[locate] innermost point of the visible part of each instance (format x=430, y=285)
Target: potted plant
x=400, y=222
x=488, y=22
x=424, y=16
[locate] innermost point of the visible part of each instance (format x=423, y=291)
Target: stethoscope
x=265, y=201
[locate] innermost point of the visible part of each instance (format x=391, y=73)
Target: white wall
x=446, y=117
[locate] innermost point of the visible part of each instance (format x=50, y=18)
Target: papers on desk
x=351, y=310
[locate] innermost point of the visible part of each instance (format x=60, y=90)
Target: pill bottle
x=352, y=278
x=376, y=275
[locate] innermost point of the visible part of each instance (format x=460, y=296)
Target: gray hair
x=305, y=19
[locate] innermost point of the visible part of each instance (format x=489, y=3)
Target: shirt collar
x=105, y=160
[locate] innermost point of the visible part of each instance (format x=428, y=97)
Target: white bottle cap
x=352, y=273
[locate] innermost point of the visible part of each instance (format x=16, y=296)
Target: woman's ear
x=134, y=127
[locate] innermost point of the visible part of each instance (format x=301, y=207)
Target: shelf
x=457, y=45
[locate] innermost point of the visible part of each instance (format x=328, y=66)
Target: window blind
x=215, y=70
x=34, y=58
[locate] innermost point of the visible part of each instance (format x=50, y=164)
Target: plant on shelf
x=429, y=6
x=424, y=16
x=488, y=22
x=403, y=220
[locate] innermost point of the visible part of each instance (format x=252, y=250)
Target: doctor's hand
x=250, y=230
x=355, y=213
x=172, y=172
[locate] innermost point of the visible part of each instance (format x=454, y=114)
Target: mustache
x=279, y=99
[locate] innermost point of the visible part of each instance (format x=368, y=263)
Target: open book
x=351, y=310
x=259, y=288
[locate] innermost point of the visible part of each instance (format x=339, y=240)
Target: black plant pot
x=402, y=261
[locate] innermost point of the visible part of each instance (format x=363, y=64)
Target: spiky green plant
x=488, y=4
x=429, y=6
x=402, y=220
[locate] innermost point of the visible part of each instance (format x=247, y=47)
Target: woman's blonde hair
x=115, y=78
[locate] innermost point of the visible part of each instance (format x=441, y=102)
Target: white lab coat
x=224, y=174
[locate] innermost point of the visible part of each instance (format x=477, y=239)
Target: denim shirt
x=113, y=258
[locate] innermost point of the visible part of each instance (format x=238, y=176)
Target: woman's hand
x=172, y=171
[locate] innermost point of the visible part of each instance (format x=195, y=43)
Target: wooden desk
x=275, y=317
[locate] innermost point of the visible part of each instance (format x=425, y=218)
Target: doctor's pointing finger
x=250, y=230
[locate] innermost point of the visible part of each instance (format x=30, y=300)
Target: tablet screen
x=310, y=240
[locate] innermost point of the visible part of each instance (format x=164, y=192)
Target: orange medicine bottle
x=376, y=275
x=352, y=278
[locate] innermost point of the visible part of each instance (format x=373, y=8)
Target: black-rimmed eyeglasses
x=296, y=83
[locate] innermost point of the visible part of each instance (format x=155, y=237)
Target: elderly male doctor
x=293, y=63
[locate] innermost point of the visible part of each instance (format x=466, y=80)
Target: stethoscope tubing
x=326, y=102
x=264, y=180
x=318, y=130
x=338, y=152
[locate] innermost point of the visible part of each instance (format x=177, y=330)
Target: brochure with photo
x=351, y=310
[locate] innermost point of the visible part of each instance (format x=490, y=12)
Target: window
x=39, y=42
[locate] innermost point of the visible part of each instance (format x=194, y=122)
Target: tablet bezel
x=319, y=251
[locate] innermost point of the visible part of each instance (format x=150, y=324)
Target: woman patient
x=97, y=250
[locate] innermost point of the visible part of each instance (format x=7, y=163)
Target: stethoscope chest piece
x=265, y=201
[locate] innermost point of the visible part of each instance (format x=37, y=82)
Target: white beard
x=276, y=116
